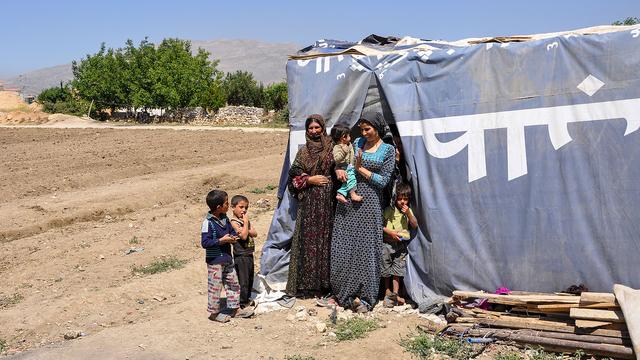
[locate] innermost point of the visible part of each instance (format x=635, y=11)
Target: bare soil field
x=73, y=201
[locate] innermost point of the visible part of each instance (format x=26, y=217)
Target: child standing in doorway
x=398, y=220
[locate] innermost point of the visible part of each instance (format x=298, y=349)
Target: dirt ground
x=73, y=201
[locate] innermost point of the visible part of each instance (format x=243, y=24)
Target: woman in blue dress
x=356, y=243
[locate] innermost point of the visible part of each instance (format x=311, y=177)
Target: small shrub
x=299, y=357
x=3, y=345
x=355, y=328
x=270, y=187
x=538, y=353
x=425, y=346
x=134, y=240
x=257, y=191
x=6, y=301
x=509, y=356
x=160, y=265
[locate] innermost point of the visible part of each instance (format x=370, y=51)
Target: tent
x=523, y=153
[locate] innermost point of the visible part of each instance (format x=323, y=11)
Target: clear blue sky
x=41, y=33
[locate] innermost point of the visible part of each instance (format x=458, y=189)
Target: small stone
x=302, y=316
x=159, y=298
x=291, y=317
x=321, y=327
x=226, y=346
x=258, y=327
x=331, y=334
x=300, y=308
x=70, y=335
x=141, y=302
x=312, y=312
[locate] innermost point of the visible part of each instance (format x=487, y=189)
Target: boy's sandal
x=221, y=318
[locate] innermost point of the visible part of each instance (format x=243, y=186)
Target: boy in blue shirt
x=217, y=237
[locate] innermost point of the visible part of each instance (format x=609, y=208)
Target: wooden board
x=518, y=299
x=566, y=307
x=597, y=315
x=591, y=323
x=536, y=324
x=593, y=297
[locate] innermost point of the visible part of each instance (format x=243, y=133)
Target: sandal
x=390, y=301
x=220, y=317
x=326, y=301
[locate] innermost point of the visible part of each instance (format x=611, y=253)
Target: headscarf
x=316, y=148
x=377, y=121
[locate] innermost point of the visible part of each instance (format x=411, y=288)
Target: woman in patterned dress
x=356, y=243
x=311, y=182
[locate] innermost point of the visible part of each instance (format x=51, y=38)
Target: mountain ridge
x=265, y=60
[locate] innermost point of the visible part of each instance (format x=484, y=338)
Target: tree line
x=168, y=76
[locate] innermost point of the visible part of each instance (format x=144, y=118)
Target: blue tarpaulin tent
x=523, y=153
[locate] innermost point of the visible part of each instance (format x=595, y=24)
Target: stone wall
x=228, y=115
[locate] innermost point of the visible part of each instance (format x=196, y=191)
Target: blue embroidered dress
x=356, y=244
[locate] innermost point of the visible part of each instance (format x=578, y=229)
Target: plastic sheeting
x=524, y=157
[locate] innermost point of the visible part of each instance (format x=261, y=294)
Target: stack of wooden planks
x=591, y=322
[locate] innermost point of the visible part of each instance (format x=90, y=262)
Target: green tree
x=631, y=20
x=101, y=78
x=275, y=96
x=181, y=79
x=242, y=89
x=139, y=60
x=54, y=94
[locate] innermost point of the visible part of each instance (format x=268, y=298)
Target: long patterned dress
x=356, y=243
x=309, y=266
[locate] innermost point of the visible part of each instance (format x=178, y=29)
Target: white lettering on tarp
x=340, y=76
x=553, y=45
x=635, y=33
x=303, y=63
x=473, y=126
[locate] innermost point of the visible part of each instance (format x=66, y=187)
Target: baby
x=343, y=154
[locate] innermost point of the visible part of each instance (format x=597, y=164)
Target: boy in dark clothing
x=217, y=237
x=243, y=248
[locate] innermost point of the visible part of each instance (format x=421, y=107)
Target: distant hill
x=265, y=60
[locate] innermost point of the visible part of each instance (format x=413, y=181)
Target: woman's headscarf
x=316, y=148
x=377, y=121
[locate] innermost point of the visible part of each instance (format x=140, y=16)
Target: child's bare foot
x=342, y=199
x=400, y=300
x=355, y=197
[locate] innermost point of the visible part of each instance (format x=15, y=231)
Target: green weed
x=354, y=328
x=134, y=240
x=3, y=345
x=426, y=346
x=299, y=357
x=509, y=356
x=160, y=265
x=6, y=301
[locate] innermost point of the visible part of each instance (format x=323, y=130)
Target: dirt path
x=73, y=201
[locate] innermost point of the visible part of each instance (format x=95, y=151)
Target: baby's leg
x=342, y=193
x=352, y=183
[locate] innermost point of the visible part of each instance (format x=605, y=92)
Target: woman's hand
x=318, y=180
x=341, y=175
